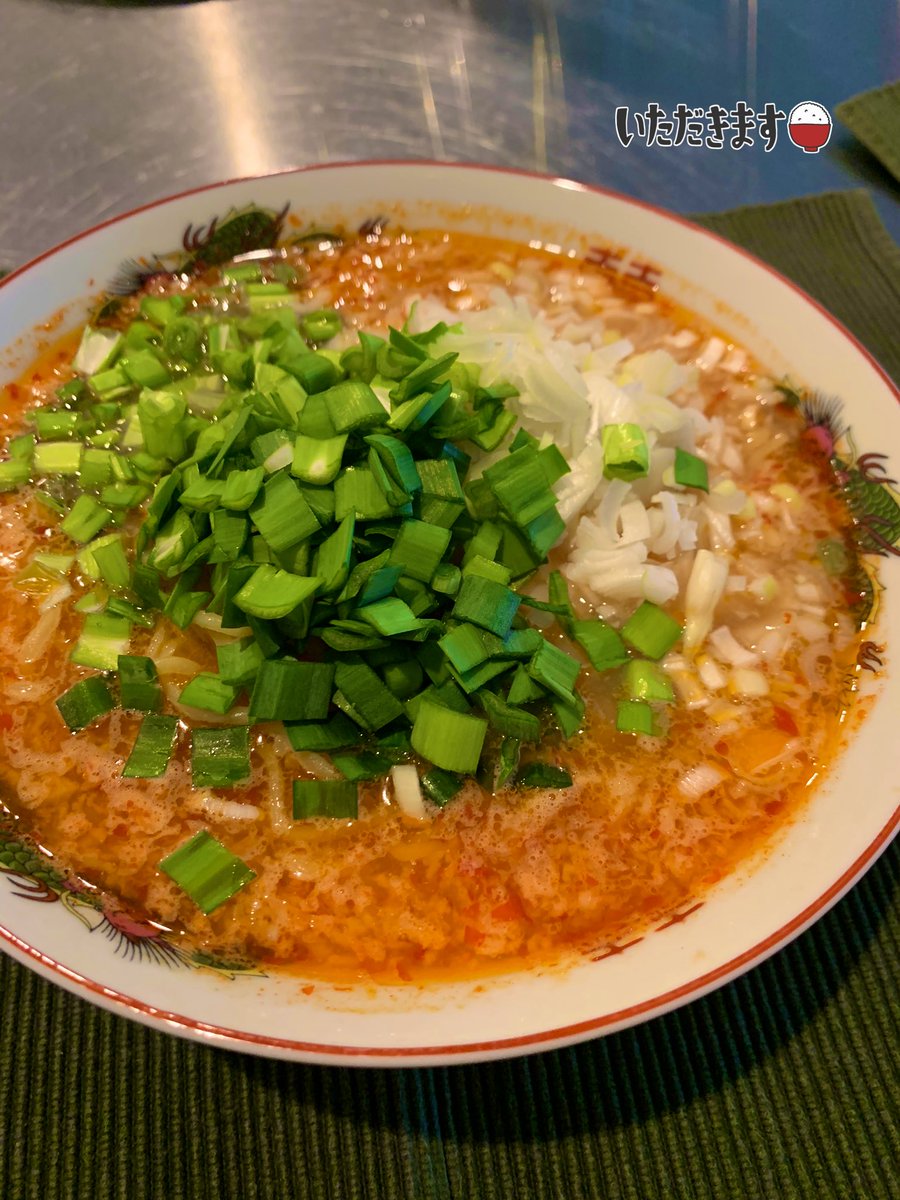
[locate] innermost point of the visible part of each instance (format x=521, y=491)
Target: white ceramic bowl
x=745, y=919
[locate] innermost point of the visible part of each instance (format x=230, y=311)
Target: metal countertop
x=106, y=106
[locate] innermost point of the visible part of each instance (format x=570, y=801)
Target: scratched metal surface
x=105, y=106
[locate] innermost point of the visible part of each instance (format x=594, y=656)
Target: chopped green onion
x=242, y=487
x=555, y=670
x=523, y=689
x=488, y=569
x=139, y=683
x=173, y=543
x=415, y=414
x=321, y=325
x=421, y=377
x=57, y=458
x=364, y=697
x=635, y=716
x=271, y=593
x=334, y=734
x=152, y=749
x=403, y=678
x=486, y=603
x=441, y=786
x=602, y=644
x=625, y=451
x=379, y=584
x=442, y=499
x=361, y=766
x=209, y=692
x=318, y=460
x=239, y=661
x=334, y=798
x=183, y=605
x=354, y=407
x=162, y=309
x=22, y=446
x=390, y=617
x=160, y=415
x=446, y=579
x=397, y=460
x=651, y=631
x=419, y=548
x=273, y=450
x=117, y=606
x=56, y=423
x=288, y=690
x=569, y=715
x=144, y=369
x=111, y=561
x=203, y=494
x=314, y=372
x=448, y=739
x=690, y=471
x=356, y=492
x=466, y=646
x=13, y=473
x=507, y=719
x=85, y=702
x=208, y=872
x=182, y=341
x=645, y=681
x=522, y=491
x=103, y=639
x=56, y=564
x=220, y=757
x=543, y=775
x=333, y=556
x=124, y=495
x=229, y=532
x=282, y=515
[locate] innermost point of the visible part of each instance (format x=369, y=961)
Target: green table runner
x=874, y=117
x=783, y=1084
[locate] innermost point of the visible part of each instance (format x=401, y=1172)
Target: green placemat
x=874, y=117
x=781, y=1085
x=837, y=249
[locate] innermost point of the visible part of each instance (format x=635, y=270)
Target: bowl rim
x=189, y=1027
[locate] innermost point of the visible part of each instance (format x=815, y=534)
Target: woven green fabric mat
x=874, y=117
x=781, y=1085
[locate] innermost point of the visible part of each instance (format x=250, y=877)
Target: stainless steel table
x=104, y=106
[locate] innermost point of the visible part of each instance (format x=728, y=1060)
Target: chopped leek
x=139, y=683
x=449, y=739
x=690, y=471
x=543, y=775
x=85, y=702
x=152, y=749
x=625, y=451
x=288, y=690
x=208, y=872
x=220, y=757
x=208, y=692
x=651, y=631
x=645, y=681
x=635, y=716
x=335, y=798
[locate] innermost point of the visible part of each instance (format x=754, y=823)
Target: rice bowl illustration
x=809, y=126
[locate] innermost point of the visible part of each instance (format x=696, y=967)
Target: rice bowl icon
x=809, y=126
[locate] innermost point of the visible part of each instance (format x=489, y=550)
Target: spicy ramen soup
x=530, y=730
